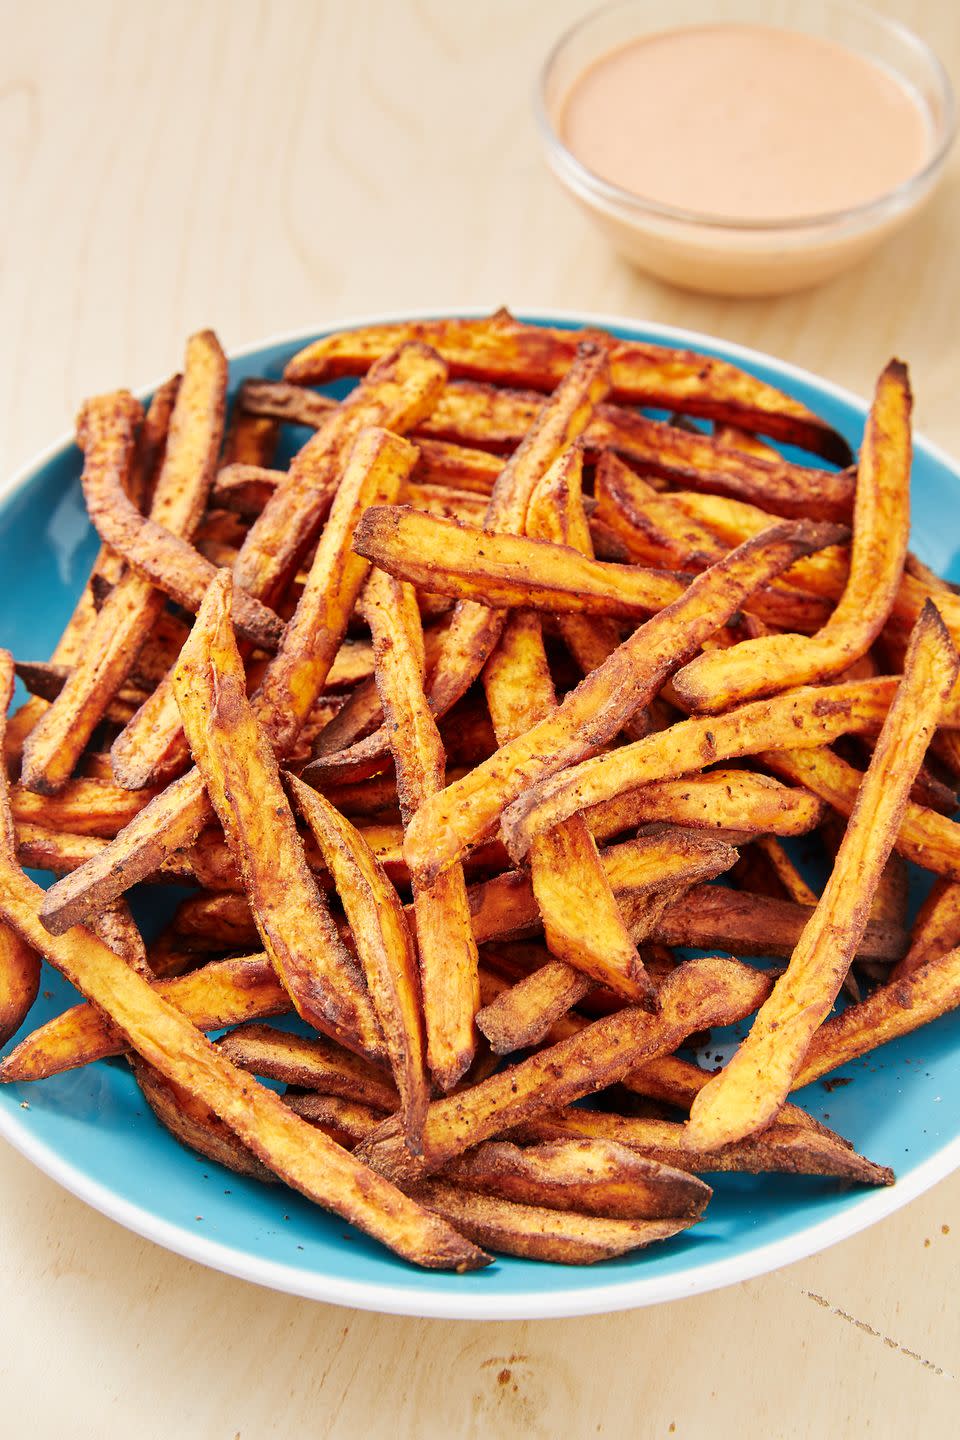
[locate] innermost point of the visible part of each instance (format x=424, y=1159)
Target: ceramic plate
x=91, y=1131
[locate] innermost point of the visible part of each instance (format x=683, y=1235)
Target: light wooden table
x=265, y=167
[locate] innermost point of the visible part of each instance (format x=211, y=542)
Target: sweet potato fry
x=592, y=1177
x=500, y=348
x=501, y=570
x=714, y=917
x=220, y=994
x=296, y=1152
x=935, y=930
x=83, y=807
x=243, y=784
x=812, y=716
x=592, y=714
x=897, y=1008
x=524, y=1013
x=312, y=1064
x=384, y=946
x=105, y=431
x=445, y=943
x=55, y=744
x=788, y=1148
x=749, y=1091
x=582, y=923
x=194, y=1124
x=19, y=963
x=927, y=838
x=881, y=525
x=727, y=799
x=536, y=1233
x=346, y=1121
x=116, y=927
x=699, y=993
x=377, y=466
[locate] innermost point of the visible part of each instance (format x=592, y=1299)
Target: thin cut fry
x=749, y=1091
x=593, y=1177
x=935, y=930
x=880, y=529
x=501, y=348
x=727, y=799
x=384, y=947
x=445, y=943
x=311, y=1063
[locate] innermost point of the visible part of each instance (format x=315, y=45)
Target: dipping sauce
x=747, y=122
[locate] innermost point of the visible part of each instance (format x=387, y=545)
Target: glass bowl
x=731, y=256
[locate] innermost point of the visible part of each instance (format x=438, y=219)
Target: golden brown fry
x=83, y=807
x=925, y=837
x=592, y=714
x=727, y=799
x=377, y=467
x=346, y=1121
x=116, y=927
x=592, y=1177
x=240, y=772
x=223, y=993
x=935, y=930
x=582, y=923
x=699, y=993
x=445, y=943
x=194, y=1124
x=880, y=529
x=524, y=1013
x=55, y=744
x=507, y=570
x=749, y=1091
x=714, y=917
x=537, y=1233
x=105, y=432
x=811, y=715
x=313, y=1063
x=903, y=1005
x=502, y=349
x=786, y=1147
x=19, y=962
x=384, y=946
x=297, y=1153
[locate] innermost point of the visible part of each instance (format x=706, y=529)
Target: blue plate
x=92, y=1132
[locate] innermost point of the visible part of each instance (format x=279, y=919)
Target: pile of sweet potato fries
x=449, y=726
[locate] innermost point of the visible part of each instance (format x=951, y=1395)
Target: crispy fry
x=346, y=1121
x=903, y=1005
x=19, y=963
x=116, y=927
x=935, y=930
x=925, y=837
x=725, y=799
x=243, y=784
x=313, y=1064
x=55, y=744
x=194, y=1124
x=83, y=807
x=222, y=993
x=748, y=1092
x=537, y=1233
x=582, y=923
x=445, y=943
x=105, y=431
x=384, y=946
x=592, y=714
x=878, y=549
x=500, y=348
x=297, y=1153
x=523, y=1013
x=699, y=993
x=810, y=716
x=506, y=570
x=788, y=1148
x=593, y=1177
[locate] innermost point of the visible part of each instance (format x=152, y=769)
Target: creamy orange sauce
x=745, y=121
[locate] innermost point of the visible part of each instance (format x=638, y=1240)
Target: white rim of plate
x=554, y=1304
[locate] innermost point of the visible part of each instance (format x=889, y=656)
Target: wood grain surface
x=265, y=167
